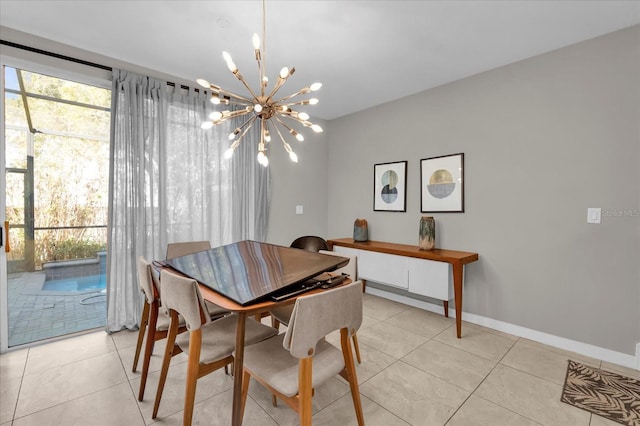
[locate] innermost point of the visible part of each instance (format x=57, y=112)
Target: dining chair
x=292, y=364
x=154, y=321
x=209, y=344
x=282, y=315
x=189, y=247
x=184, y=248
x=310, y=243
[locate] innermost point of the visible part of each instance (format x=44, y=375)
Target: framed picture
x=442, y=184
x=390, y=187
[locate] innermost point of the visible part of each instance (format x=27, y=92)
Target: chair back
x=145, y=280
x=319, y=314
x=182, y=295
x=350, y=268
x=182, y=249
x=310, y=243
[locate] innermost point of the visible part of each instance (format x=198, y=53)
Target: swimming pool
x=79, y=284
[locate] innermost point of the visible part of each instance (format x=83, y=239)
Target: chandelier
x=274, y=114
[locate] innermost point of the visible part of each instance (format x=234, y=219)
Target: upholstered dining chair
x=182, y=249
x=310, y=243
x=189, y=247
x=282, y=315
x=209, y=344
x=292, y=364
x=154, y=321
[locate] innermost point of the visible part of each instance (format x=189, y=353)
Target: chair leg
x=141, y=330
x=148, y=349
x=246, y=378
x=193, y=370
x=166, y=360
x=351, y=375
x=275, y=323
x=305, y=392
x=356, y=348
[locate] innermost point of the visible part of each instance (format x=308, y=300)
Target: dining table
x=250, y=278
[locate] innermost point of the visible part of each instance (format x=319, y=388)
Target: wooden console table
x=457, y=260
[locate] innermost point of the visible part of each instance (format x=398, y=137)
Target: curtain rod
x=69, y=58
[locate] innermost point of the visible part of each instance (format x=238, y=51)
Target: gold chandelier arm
x=239, y=76
x=234, y=95
x=280, y=83
x=244, y=132
x=284, y=142
x=303, y=91
x=311, y=101
x=292, y=116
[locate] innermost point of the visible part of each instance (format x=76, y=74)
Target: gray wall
x=303, y=183
x=544, y=139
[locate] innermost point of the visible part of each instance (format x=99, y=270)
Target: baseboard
x=585, y=349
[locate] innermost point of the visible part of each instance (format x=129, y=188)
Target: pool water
x=87, y=283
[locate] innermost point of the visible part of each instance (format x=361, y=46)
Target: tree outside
x=64, y=159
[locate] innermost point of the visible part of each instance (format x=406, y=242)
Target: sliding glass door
x=54, y=199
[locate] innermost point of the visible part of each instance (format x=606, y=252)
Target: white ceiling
x=364, y=52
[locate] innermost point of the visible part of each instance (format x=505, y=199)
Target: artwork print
x=390, y=186
x=442, y=184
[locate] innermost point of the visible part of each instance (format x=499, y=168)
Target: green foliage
x=66, y=249
x=70, y=168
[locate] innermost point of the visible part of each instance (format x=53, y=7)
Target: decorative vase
x=427, y=233
x=360, y=230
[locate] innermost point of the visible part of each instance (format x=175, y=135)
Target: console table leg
x=446, y=308
x=457, y=294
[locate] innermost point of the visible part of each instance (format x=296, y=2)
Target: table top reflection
x=249, y=272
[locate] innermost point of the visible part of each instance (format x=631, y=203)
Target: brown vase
x=427, y=233
x=360, y=230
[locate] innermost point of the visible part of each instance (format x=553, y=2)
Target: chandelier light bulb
x=227, y=57
x=313, y=101
x=262, y=159
x=228, y=153
x=293, y=156
x=206, y=125
x=215, y=99
x=204, y=83
x=284, y=73
x=215, y=116
x=257, y=108
x=316, y=128
x=315, y=86
x=256, y=41
x=233, y=134
x=303, y=116
x=267, y=136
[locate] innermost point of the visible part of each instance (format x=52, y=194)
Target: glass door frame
x=60, y=71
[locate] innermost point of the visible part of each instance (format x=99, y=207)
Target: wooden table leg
x=457, y=294
x=238, y=362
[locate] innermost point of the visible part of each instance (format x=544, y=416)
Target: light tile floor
x=414, y=372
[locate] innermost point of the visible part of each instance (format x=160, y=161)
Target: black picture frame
x=390, y=187
x=442, y=184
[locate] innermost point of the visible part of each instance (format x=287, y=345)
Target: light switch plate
x=594, y=214
x=299, y=210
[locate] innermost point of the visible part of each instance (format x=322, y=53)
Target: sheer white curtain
x=169, y=182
